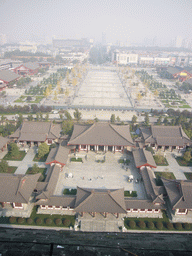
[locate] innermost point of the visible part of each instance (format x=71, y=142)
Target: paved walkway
x=22, y=166
x=174, y=167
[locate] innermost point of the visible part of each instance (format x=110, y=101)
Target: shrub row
x=158, y=225
x=39, y=221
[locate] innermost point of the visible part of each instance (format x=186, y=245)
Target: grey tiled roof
x=173, y=70
x=132, y=203
x=64, y=201
x=165, y=135
x=101, y=134
x=3, y=141
x=51, y=179
x=143, y=157
x=17, y=188
x=58, y=154
x=37, y=131
x=8, y=76
x=100, y=200
x=154, y=192
x=179, y=193
x=31, y=65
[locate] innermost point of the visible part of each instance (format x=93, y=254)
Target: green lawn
x=40, y=159
x=19, y=157
x=188, y=175
x=41, y=170
x=182, y=162
x=73, y=159
x=128, y=194
x=160, y=160
x=70, y=191
x=167, y=175
x=11, y=169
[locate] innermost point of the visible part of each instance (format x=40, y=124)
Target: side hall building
x=164, y=137
x=34, y=133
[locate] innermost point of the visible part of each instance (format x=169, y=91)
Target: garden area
x=166, y=175
x=188, y=175
x=70, y=191
x=14, y=154
x=74, y=159
x=35, y=219
x=185, y=160
x=35, y=169
x=130, y=193
x=5, y=168
x=160, y=160
x=155, y=224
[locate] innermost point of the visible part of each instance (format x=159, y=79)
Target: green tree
x=35, y=168
x=43, y=150
x=20, y=120
x=146, y=121
x=166, y=121
x=118, y=119
x=77, y=114
x=37, y=116
x=30, y=117
x=13, y=149
x=67, y=115
x=67, y=127
x=159, y=120
x=3, y=166
x=187, y=156
x=47, y=117
x=112, y=119
x=61, y=116
x=134, y=119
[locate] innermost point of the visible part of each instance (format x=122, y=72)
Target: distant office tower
x=178, y=41
x=3, y=39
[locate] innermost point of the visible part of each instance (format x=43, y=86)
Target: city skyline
x=129, y=22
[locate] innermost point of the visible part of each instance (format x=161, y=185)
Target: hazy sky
x=123, y=20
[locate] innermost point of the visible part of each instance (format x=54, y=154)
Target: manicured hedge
x=132, y=224
x=38, y=221
x=48, y=221
x=141, y=224
x=159, y=225
x=186, y=226
x=29, y=221
x=12, y=220
x=66, y=222
x=178, y=226
x=169, y=225
x=20, y=220
x=58, y=222
x=150, y=225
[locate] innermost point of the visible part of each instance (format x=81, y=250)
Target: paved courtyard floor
x=101, y=88
x=107, y=175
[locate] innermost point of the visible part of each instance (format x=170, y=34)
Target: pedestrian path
x=174, y=167
x=26, y=162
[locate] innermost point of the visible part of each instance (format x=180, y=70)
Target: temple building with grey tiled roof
x=179, y=194
x=165, y=137
x=37, y=132
x=101, y=137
